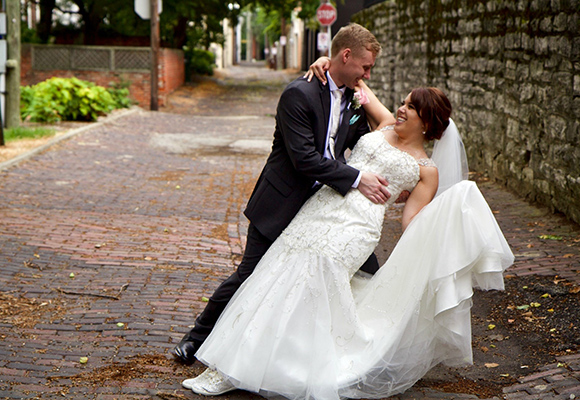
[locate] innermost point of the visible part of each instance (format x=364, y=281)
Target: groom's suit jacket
x=297, y=159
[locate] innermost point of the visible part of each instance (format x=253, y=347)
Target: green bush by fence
x=199, y=62
x=70, y=99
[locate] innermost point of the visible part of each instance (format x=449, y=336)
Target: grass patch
x=27, y=133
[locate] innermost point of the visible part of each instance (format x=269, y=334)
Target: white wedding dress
x=303, y=326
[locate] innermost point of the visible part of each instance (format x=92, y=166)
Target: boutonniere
x=359, y=99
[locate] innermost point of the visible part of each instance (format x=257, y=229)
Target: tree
x=181, y=22
x=92, y=13
x=44, y=26
x=195, y=22
x=279, y=11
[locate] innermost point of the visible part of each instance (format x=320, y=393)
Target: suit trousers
x=256, y=246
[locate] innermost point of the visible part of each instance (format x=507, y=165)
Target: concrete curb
x=73, y=132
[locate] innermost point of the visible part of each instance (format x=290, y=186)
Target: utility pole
x=283, y=41
x=154, y=55
x=13, y=64
x=249, y=37
x=150, y=9
x=3, y=59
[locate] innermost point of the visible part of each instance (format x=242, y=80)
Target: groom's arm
x=372, y=186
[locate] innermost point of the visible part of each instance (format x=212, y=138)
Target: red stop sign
x=326, y=14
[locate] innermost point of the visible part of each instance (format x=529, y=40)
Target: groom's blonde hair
x=355, y=37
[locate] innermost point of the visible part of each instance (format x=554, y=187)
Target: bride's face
x=408, y=119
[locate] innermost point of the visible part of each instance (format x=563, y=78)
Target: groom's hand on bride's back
x=374, y=187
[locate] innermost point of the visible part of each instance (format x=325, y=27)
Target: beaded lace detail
x=347, y=229
x=426, y=162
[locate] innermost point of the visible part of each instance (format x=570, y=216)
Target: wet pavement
x=111, y=239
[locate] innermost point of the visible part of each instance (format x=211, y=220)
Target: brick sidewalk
x=146, y=212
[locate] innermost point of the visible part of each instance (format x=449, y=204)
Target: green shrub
x=28, y=35
x=67, y=99
x=200, y=61
x=120, y=93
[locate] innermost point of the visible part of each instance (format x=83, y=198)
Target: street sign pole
x=326, y=15
x=150, y=9
x=13, y=64
x=154, y=55
x=329, y=33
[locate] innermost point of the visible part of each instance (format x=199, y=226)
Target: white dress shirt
x=332, y=86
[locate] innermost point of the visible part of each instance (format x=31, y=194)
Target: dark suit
x=295, y=163
x=297, y=158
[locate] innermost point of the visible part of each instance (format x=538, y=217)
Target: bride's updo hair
x=434, y=109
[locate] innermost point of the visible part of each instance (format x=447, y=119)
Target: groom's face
x=357, y=66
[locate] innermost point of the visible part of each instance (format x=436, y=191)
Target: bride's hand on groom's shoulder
x=318, y=69
x=374, y=187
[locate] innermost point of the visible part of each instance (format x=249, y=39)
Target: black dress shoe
x=185, y=351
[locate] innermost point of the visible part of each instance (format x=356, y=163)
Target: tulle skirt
x=302, y=327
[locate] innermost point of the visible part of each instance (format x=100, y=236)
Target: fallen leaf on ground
x=491, y=365
x=550, y=237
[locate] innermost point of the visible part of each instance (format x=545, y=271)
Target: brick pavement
x=145, y=211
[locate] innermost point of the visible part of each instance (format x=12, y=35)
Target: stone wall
x=511, y=69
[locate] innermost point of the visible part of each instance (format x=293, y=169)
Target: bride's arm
x=318, y=68
x=421, y=195
x=378, y=115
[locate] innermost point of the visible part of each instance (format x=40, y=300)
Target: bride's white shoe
x=208, y=383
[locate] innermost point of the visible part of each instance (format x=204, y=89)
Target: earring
x=424, y=132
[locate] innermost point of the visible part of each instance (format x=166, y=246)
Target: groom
x=315, y=124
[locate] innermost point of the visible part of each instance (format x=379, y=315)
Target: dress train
x=303, y=327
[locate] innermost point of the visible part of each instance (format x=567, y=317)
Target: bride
x=305, y=325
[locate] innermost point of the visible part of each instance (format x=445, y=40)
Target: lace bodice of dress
x=374, y=154
x=347, y=229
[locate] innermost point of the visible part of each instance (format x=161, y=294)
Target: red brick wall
x=172, y=70
x=171, y=76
